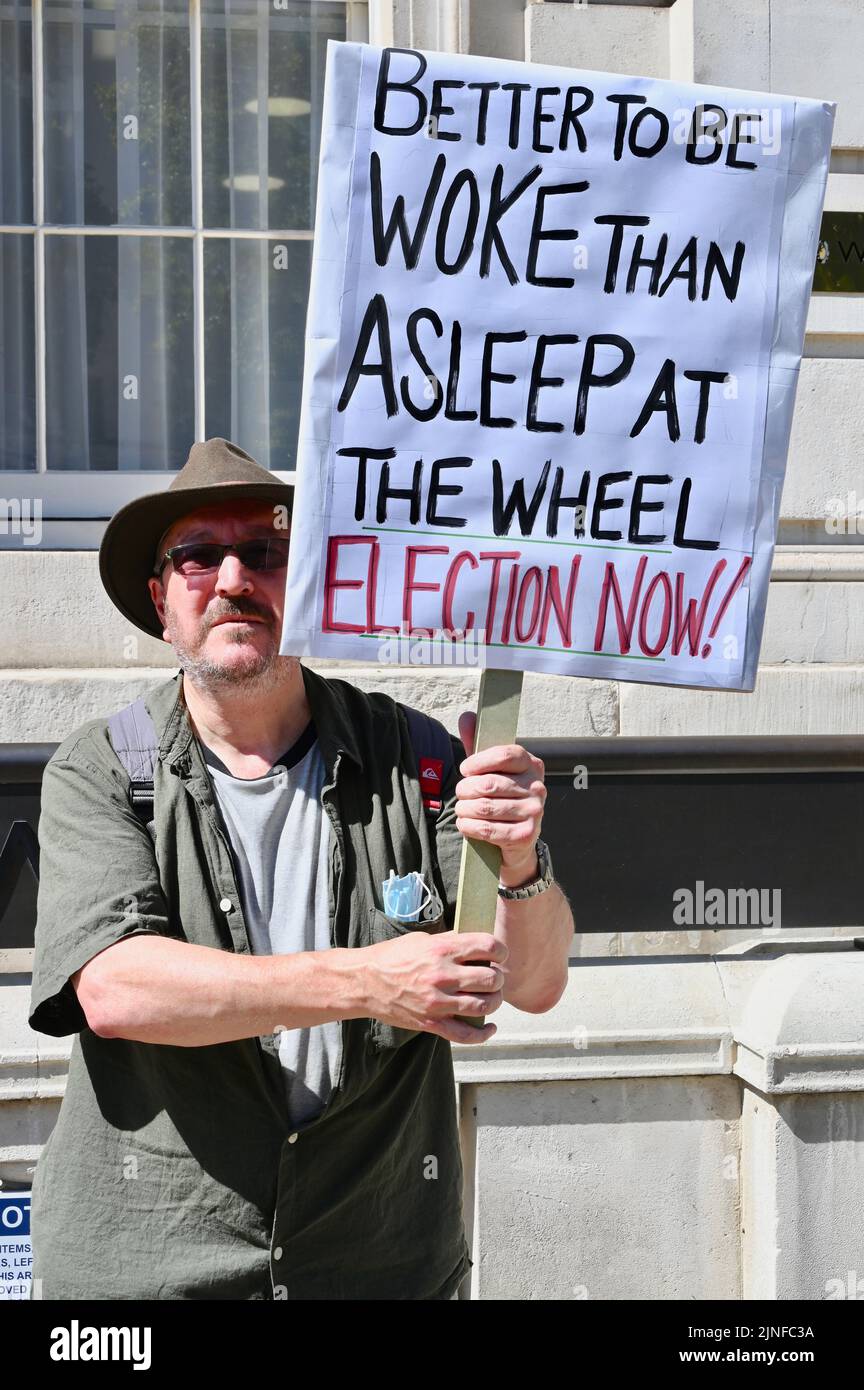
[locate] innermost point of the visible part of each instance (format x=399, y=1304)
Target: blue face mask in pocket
x=403, y=897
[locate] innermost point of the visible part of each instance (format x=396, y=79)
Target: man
x=260, y=1102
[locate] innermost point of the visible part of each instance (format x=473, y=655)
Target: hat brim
x=128, y=545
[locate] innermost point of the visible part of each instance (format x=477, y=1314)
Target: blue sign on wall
x=16, y=1255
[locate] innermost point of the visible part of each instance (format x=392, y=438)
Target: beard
x=259, y=671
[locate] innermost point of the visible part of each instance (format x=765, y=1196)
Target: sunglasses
x=204, y=557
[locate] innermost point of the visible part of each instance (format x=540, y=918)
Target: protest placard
x=554, y=334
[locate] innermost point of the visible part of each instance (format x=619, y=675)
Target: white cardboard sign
x=553, y=340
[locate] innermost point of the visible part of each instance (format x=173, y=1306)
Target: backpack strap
x=433, y=751
x=133, y=736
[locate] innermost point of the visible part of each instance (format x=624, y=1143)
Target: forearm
x=160, y=990
x=538, y=933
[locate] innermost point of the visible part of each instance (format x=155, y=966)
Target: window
x=154, y=260
x=684, y=847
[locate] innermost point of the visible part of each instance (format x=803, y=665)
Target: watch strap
x=545, y=878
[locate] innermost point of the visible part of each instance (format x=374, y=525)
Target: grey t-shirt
x=280, y=835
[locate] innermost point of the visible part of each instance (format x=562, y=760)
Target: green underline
x=513, y=647
x=573, y=651
x=510, y=540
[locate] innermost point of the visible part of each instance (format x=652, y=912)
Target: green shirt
x=173, y=1172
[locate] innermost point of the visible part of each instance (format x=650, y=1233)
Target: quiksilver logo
x=76, y=1343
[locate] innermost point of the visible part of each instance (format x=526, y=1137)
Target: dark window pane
x=255, y=296
x=652, y=835
x=16, y=113
x=119, y=358
x=117, y=134
x=262, y=86
x=17, y=355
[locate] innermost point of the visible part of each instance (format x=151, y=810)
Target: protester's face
x=194, y=609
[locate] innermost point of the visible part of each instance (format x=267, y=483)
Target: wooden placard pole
x=477, y=896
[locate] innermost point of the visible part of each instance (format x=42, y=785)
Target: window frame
x=75, y=503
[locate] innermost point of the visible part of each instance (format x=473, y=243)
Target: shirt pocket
x=384, y=1036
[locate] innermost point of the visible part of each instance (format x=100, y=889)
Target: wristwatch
x=544, y=879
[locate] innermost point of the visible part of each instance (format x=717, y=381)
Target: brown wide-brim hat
x=215, y=471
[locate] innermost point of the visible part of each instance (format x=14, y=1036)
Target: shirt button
x=277, y=1253
x=292, y=1138
x=225, y=904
